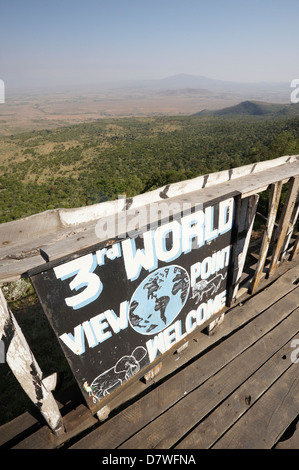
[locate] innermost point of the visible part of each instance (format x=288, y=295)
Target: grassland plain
x=27, y=112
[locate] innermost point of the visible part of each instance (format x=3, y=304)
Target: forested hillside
x=255, y=108
x=89, y=163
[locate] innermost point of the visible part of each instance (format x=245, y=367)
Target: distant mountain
x=270, y=91
x=255, y=108
x=179, y=84
x=179, y=81
x=184, y=91
x=183, y=80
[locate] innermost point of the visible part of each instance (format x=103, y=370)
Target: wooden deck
x=236, y=388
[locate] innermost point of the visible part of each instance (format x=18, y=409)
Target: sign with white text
x=118, y=308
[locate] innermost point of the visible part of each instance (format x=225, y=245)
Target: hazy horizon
x=161, y=82
x=71, y=43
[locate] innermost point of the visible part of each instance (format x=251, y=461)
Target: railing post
x=272, y=211
x=285, y=222
x=22, y=363
x=292, y=223
x=244, y=219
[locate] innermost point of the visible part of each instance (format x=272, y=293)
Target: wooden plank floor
x=238, y=388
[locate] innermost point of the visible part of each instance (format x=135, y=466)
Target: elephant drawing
x=112, y=378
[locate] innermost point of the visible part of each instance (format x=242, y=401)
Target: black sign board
x=117, y=308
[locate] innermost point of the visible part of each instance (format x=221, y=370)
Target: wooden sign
x=117, y=308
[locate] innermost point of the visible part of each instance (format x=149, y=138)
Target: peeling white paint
x=22, y=363
x=72, y=217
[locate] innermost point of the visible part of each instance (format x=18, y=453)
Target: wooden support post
x=212, y=327
x=103, y=413
x=291, y=226
x=284, y=223
x=233, y=266
x=244, y=219
x=22, y=363
x=151, y=374
x=272, y=211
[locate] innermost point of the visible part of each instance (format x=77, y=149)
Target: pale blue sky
x=62, y=42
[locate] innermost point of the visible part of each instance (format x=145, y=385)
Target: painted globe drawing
x=159, y=299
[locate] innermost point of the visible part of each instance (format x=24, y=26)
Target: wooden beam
x=272, y=211
x=233, y=266
x=291, y=226
x=244, y=219
x=22, y=363
x=284, y=223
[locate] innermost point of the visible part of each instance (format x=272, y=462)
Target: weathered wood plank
x=75, y=422
x=245, y=215
x=25, y=230
x=229, y=411
x=292, y=222
x=262, y=426
x=143, y=411
x=13, y=270
x=27, y=423
x=22, y=363
x=233, y=267
x=172, y=425
x=18, y=427
x=272, y=211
